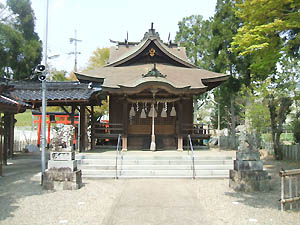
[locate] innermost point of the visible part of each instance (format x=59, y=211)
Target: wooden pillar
x=82, y=129
x=6, y=138
x=11, y=134
x=125, y=124
x=73, y=124
x=180, y=121
x=92, y=128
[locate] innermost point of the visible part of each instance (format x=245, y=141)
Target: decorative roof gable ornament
x=152, y=52
x=154, y=73
x=151, y=33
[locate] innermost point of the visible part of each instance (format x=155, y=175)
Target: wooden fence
x=229, y=142
x=290, y=188
x=291, y=152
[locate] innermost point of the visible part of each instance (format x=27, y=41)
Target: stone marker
x=62, y=172
x=248, y=174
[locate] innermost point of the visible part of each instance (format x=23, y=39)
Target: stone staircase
x=97, y=165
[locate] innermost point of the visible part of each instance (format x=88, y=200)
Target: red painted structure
x=61, y=118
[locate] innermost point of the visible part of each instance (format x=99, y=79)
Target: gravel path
x=22, y=200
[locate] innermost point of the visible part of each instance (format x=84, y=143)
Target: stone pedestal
x=249, y=181
x=62, y=172
x=248, y=174
x=62, y=179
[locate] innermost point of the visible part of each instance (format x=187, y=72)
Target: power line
x=75, y=40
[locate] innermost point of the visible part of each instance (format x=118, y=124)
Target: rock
x=32, y=148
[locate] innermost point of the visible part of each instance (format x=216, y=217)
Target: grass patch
x=24, y=119
x=289, y=137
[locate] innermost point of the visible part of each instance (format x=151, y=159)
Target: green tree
x=270, y=30
x=224, y=25
x=270, y=35
x=194, y=34
x=98, y=59
x=58, y=75
x=20, y=47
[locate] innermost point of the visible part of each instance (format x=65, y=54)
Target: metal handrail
x=117, y=154
x=193, y=158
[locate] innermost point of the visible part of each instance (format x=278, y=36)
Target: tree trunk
x=277, y=120
x=232, y=116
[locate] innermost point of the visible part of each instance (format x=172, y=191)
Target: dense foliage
x=20, y=46
x=257, y=43
x=296, y=130
x=270, y=36
x=98, y=59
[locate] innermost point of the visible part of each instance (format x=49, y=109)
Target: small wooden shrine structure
x=70, y=97
x=151, y=85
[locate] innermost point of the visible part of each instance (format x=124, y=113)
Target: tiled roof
x=4, y=100
x=7, y=102
x=129, y=63
x=177, y=77
x=56, y=91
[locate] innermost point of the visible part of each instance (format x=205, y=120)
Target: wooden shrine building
x=151, y=85
x=9, y=106
x=69, y=96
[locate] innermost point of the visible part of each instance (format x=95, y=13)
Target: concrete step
x=154, y=162
x=156, y=167
x=154, y=173
x=96, y=166
x=96, y=177
x=96, y=156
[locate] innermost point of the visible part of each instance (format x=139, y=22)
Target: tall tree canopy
x=194, y=34
x=20, y=46
x=207, y=44
x=224, y=26
x=98, y=59
x=270, y=30
x=270, y=35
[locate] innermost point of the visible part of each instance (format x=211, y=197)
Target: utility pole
x=44, y=100
x=75, y=40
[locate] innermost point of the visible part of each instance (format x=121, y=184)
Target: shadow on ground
x=269, y=199
x=257, y=199
x=17, y=182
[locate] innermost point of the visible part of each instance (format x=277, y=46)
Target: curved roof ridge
x=129, y=54
x=146, y=41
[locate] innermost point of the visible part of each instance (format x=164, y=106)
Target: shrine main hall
x=150, y=86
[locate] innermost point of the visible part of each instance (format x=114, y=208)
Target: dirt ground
x=204, y=201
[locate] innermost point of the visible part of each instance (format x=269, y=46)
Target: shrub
x=296, y=130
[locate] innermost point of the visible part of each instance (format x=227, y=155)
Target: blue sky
x=97, y=21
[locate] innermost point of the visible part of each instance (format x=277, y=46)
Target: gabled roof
x=129, y=62
x=128, y=53
x=177, y=77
